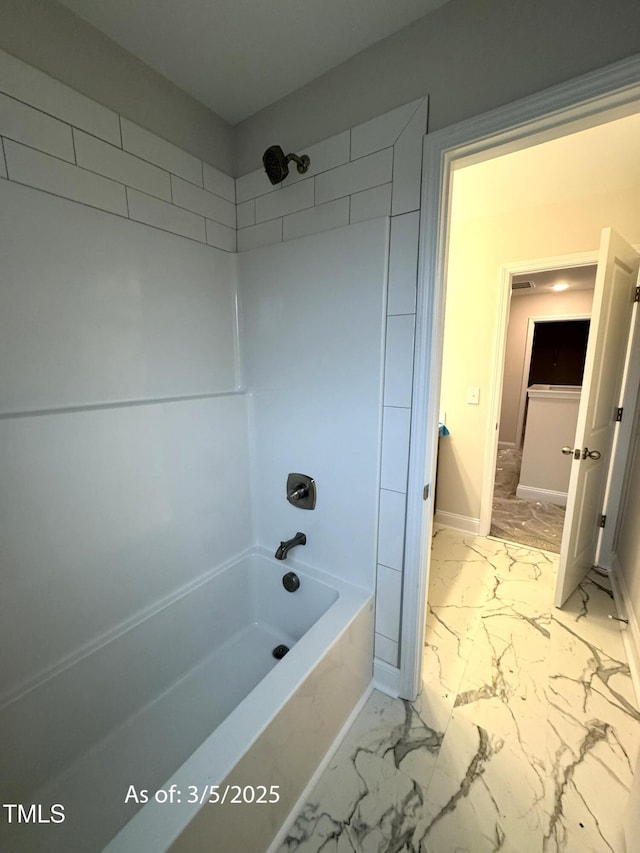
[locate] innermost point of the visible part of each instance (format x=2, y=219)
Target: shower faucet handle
x=301, y=491
x=297, y=494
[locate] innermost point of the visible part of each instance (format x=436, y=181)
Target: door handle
x=568, y=451
x=578, y=454
x=592, y=454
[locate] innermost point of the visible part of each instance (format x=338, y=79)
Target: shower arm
x=302, y=163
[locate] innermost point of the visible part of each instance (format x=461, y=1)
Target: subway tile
x=403, y=263
x=391, y=529
x=60, y=178
x=334, y=214
x=22, y=81
x=156, y=150
x=3, y=168
x=219, y=183
x=386, y=650
x=354, y=177
x=99, y=156
x=254, y=184
x=398, y=366
x=260, y=235
x=407, y=163
x=220, y=236
x=168, y=217
x=200, y=201
x=32, y=127
x=395, y=448
x=381, y=131
x=288, y=200
x=323, y=156
x=388, y=595
x=246, y=213
x=371, y=204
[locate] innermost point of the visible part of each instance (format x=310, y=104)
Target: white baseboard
x=304, y=796
x=503, y=445
x=630, y=635
x=458, y=522
x=547, y=496
x=386, y=678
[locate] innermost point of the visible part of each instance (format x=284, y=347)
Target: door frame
x=586, y=101
x=624, y=440
x=507, y=272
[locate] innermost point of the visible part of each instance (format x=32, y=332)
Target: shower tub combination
x=148, y=724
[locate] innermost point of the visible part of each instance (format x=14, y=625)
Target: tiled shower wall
x=57, y=140
x=60, y=141
x=371, y=170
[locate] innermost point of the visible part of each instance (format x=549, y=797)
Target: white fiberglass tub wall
x=312, y=329
x=124, y=462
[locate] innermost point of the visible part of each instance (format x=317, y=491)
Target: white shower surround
x=368, y=171
x=58, y=140
x=125, y=428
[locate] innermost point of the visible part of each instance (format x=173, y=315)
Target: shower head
x=276, y=163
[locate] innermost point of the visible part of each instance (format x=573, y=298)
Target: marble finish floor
x=532, y=523
x=522, y=739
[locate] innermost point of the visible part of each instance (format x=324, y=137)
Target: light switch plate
x=473, y=396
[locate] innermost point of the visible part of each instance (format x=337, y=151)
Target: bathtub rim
x=156, y=826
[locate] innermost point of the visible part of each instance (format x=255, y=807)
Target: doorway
x=546, y=339
x=555, y=115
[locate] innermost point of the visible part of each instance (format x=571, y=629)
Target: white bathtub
x=192, y=697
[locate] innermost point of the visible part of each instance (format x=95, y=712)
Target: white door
x=608, y=335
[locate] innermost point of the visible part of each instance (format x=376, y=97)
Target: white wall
x=97, y=309
x=115, y=506
x=313, y=314
x=521, y=308
x=108, y=505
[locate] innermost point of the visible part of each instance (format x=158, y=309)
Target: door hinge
x=636, y=298
x=619, y=412
x=425, y=492
x=603, y=520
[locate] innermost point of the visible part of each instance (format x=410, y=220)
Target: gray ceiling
x=238, y=56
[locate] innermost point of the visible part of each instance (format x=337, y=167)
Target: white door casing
x=617, y=485
x=613, y=299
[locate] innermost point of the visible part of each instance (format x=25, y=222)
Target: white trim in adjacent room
x=458, y=522
x=531, y=493
x=631, y=632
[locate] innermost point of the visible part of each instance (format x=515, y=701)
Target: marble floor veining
x=532, y=523
x=522, y=739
